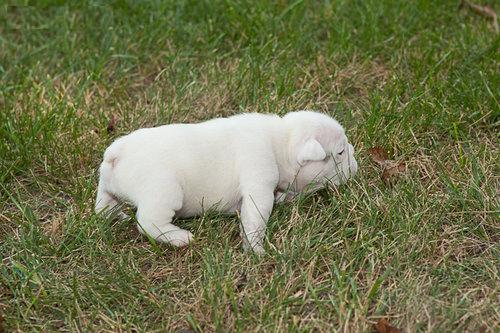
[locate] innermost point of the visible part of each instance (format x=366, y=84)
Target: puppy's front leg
x=256, y=206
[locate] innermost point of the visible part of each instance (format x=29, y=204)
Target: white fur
x=241, y=163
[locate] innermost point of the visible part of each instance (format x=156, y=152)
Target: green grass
x=420, y=78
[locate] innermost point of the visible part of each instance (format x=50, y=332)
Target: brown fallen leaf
x=2, y=329
x=382, y=326
x=485, y=11
x=58, y=324
x=389, y=167
x=392, y=170
x=112, y=124
x=378, y=155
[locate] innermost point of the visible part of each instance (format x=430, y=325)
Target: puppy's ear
x=310, y=151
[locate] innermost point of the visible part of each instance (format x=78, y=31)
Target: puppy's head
x=320, y=150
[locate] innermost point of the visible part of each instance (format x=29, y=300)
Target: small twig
x=112, y=124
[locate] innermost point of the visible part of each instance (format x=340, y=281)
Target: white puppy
x=230, y=164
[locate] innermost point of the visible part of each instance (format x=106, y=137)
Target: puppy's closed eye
x=341, y=152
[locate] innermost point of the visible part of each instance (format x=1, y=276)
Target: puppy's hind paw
x=179, y=238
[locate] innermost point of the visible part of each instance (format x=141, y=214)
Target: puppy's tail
x=105, y=200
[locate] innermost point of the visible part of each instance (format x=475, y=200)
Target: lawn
x=417, y=79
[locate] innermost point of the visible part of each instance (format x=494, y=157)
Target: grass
x=419, y=78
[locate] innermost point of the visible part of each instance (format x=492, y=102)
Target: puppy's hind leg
x=155, y=210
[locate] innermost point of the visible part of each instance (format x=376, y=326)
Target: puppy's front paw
x=256, y=248
x=179, y=238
